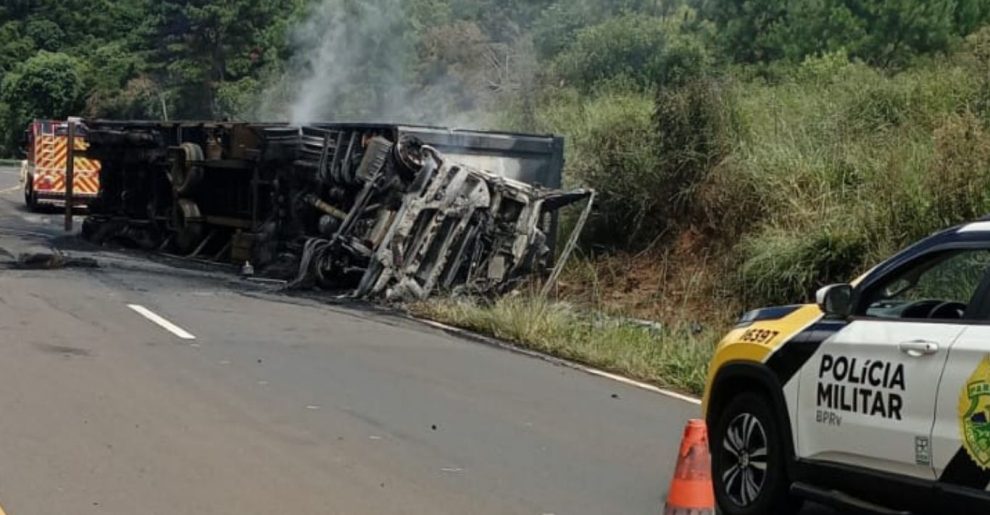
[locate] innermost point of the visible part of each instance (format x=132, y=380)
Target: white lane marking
x=11, y=189
x=567, y=363
x=165, y=324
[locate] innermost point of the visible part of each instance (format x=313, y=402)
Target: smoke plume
x=349, y=61
x=362, y=60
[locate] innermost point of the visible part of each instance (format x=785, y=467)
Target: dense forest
x=478, y=62
x=749, y=149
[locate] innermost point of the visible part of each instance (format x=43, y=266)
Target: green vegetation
x=746, y=152
x=675, y=358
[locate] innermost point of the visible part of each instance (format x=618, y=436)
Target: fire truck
x=43, y=173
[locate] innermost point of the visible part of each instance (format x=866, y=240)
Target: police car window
x=938, y=288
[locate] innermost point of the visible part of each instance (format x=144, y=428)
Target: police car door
x=868, y=395
x=961, y=437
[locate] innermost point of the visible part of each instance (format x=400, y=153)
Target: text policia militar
x=863, y=387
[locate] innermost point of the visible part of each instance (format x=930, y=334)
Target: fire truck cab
x=43, y=173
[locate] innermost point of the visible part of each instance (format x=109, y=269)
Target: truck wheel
x=189, y=228
x=30, y=196
x=184, y=175
x=749, y=465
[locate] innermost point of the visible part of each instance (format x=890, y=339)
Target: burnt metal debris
x=382, y=211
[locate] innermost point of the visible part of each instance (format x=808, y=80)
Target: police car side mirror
x=835, y=300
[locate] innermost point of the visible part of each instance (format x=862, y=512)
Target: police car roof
x=977, y=232
x=980, y=225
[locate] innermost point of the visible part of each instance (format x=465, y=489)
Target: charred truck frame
x=384, y=211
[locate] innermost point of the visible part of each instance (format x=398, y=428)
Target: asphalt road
x=289, y=405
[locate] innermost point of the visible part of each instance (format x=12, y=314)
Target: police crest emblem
x=974, y=413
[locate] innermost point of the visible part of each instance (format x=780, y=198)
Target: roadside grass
x=669, y=357
x=10, y=162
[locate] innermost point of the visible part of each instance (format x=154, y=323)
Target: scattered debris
x=52, y=260
x=264, y=280
x=382, y=211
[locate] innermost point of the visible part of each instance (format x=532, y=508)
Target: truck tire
x=749, y=464
x=30, y=196
x=184, y=175
x=189, y=227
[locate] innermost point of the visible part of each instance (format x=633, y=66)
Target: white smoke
x=350, y=57
x=356, y=60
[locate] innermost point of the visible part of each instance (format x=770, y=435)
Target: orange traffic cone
x=691, y=491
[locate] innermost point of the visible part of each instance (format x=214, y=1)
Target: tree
x=120, y=86
x=901, y=29
x=882, y=32
x=743, y=26
x=198, y=45
x=971, y=15
x=556, y=25
x=46, y=34
x=48, y=85
x=502, y=20
x=15, y=48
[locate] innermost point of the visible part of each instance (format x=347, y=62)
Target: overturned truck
x=381, y=211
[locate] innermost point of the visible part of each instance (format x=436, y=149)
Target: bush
x=786, y=266
x=610, y=147
x=636, y=49
x=655, y=173
x=694, y=124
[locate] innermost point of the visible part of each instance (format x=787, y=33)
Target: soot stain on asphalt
x=62, y=350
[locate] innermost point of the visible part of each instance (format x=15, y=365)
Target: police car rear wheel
x=748, y=463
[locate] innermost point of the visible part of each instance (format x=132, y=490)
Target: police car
x=874, y=400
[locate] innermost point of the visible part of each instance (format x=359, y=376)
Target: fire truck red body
x=43, y=173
